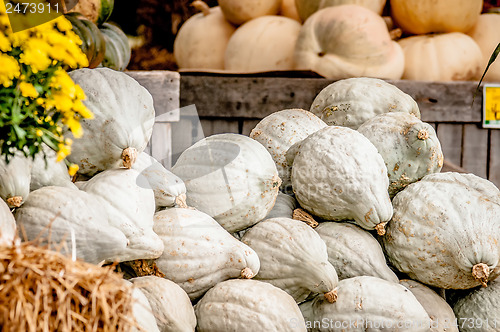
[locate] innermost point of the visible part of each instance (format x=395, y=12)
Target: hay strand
x=43, y=290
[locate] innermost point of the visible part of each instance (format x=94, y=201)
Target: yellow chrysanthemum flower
x=64, y=151
x=9, y=69
x=5, y=45
x=74, y=126
x=80, y=108
x=39, y=133
x=72, y=169
x=28, y=90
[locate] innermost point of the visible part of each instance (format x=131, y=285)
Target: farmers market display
x=335, y=218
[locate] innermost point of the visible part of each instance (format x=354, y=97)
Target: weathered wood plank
x=450, y=167
x=164, y=86
x=475, y=150
x=450, y=136
x=248, y=125
x=161, y=144
x=257, y=97
x=215, y=126
x=494, y=167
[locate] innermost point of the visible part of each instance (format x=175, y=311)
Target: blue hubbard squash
x=118, y=50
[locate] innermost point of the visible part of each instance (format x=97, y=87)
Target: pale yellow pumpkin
x=450, y=56
x=348, y=41
x=425, y=16
x=263, y=44
x=241, y=11
x=485, y=34
x=289, y=9
x=306, y=8
x=201, y=41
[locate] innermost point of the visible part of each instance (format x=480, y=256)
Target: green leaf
x=493, y=57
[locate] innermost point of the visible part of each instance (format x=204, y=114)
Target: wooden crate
x=164, y=86
x=237, y=103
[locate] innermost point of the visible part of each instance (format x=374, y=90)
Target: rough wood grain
x=494, y=166
x=213, y=127
x=248, y=125
x=450, y=136
x=475, y=150
x=164, y=86
x=257, y=97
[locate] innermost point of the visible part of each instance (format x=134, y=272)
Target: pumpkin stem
x=395, y=33
x=302, y=215
x=380, y=228
x=481, y=273
x=246, y=273
x=15, y=201
x=180, y=201
x=201, y=6
x=129, y=156
x=331, y=296
x=423, y=134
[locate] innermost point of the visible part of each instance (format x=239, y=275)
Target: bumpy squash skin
x=354, y=252
x=142, y=313
x=265, y=43
x=15, y=178
x=443, y=226
x=202, y=41
x=292, y=257
x=118, y=51
x=421, y=17
x=170, y=304
x=59, y=210
x=284, y=207
x=370, y=301
x=444, y=57
x=123, y=120
x=410, y=147
x=168, y=188
x=199, y=253
x=353, y=101
x=279, y=131
x=7, y=225
x=338, y=174
x=306, y=8
x=348, y=41
x=480, y=309
x=248, y=305
x=440, y=312
x=130, y=205
x=230, y=177
x=46, y=171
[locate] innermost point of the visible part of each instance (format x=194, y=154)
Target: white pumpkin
x=348, y=41
x=479, y=311
x=354, y=252
x=230, y=177
x=142, y=313
x=452, y=56
x=353, y=101
x=241, y=11
x=47, y=171
x=199, y=253
x=283, y=207
x=248, y=305
x=445, y=231
x=73, y=220
x=367, y=304
x=440, y=312
x=168, y=188
x=338, y=175
x=7, y=225
x=292, y=257
x=202, y=39
x=170, y=304
x=279, y=131
x=289, y=9
x=485, y=34
x=130, y=205
x=15, y=177
x=265, y=43
x=410, y=147
x=306, y=8
x=123, y=120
